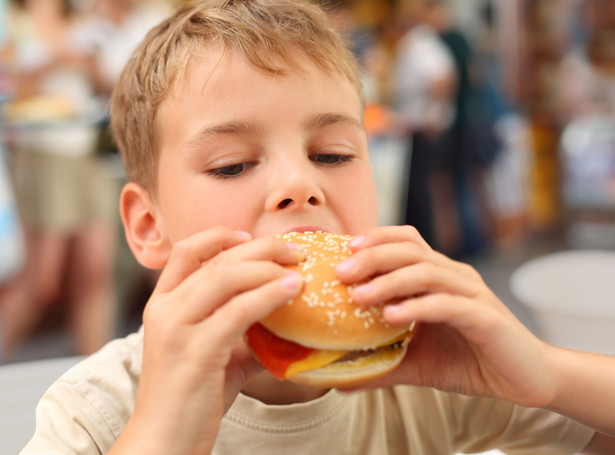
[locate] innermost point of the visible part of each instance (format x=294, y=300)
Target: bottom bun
x=351, y=373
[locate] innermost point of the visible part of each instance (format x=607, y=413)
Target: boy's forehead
x=217, y=61
x=204, y=63
x=221, y=86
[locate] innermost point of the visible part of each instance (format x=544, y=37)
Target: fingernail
x=363, y=289
x=357, y=241
x=295, y=246
x=346, y=266
x=292, y=280
x=243, y=234
x=393, y=312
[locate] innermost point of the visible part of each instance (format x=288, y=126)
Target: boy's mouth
x=308, y=228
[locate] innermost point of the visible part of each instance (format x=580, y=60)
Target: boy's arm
x=585, y=392
x=467, y=340
x=215, y=285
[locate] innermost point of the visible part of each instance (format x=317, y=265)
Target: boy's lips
x=311, y=228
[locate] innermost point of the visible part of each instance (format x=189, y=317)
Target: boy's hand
x=215, y=285
x=467, y=341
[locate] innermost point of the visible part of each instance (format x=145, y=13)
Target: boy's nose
x=290, y=202
x=294, y=189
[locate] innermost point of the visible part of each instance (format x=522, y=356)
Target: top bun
x=323, y=315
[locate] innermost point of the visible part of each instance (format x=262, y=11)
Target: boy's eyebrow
x=237, y=127
x=332, y=118
x=246, y=127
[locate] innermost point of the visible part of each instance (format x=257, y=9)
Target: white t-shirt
x=85, y=411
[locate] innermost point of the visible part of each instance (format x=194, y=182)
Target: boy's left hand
x=466, y=340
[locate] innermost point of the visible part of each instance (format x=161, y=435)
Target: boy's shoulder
x=114, y=369
x=97, y=393
x=121, y=354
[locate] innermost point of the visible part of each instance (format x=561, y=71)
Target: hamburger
x=322, y=338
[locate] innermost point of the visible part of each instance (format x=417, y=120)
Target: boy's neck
x=269, y=390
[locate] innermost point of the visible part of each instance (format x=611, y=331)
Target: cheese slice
x=322, y=358
x=317, y=359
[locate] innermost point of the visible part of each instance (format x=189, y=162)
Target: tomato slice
x=275, y=353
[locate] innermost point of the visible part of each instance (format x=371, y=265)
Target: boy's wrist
x=583, y=379
x=555, y=360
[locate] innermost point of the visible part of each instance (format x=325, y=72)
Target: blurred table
x=571, y=295
x=21, y=387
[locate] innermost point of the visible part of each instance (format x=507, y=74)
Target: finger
x=188, y=254
x=459, y=312
x=384, y=258
x=418, y=279
x=377, y=260
x=243, y=367
x=264, y=249
x=388, y=234
x=208, y=289
x=232, y=320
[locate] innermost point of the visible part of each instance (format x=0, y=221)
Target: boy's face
x=262, y=153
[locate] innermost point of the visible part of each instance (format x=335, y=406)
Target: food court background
x=521, y=144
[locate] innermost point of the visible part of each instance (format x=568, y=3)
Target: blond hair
x=262, y=31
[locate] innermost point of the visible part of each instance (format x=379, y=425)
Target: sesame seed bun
x=324, y=315
x=323, y=322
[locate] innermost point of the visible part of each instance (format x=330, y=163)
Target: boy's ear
x=144, y=227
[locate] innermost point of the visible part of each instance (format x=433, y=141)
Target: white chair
x=21, y=387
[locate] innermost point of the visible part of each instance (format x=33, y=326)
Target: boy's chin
x=270, y=390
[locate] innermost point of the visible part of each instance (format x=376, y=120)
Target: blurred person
x=424, y=81
x=586, y=83
x=506, y=176
x=470, y=143
x=585, y=112
x=64, y=195
x=111, y=30
x=114, y=28
x=11, y=235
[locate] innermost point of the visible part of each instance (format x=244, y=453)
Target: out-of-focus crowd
x=59, y=62
x=506, y=113
x=500, y=115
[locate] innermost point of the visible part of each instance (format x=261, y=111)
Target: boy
x=238, y=120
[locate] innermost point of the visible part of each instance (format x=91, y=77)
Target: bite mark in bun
x=322, y=338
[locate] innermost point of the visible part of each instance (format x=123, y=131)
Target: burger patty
x=355, y=355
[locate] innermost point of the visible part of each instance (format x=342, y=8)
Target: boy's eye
x=232, y=170
x=330, y=159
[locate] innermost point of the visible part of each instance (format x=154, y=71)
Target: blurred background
x=491, y=128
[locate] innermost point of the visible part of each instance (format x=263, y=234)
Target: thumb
x=247, y=362
x=242, y=367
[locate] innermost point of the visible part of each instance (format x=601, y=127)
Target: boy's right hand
x=215, y=285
